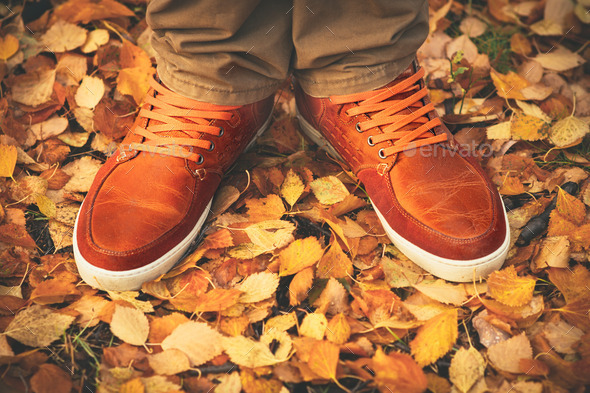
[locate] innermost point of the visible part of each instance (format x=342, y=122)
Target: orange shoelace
x=403, y=121
x=177, y=124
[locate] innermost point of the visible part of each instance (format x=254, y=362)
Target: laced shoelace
x=177, y=124
x=396, y=117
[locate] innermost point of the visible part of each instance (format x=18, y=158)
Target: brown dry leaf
x=53, y=291
x=281, y=322
x=7, y=160
x=435, y=338
x=506, y=355
x=43, y=326
x=197, y=340
x=300, y=286
x=324, y=359
x=507, y=287
x=512, y=186
x=82, y=172
x=520, y=44
x=85, y=11
x=334, y=298
x=34, y=88
x=160, y=384
x=130, y=325
x=466, y=368
x=528, y=128
x=270, y=235
x=53, y=126
x=397, y=372
x=132, y=56
x=96, y=38
x=443, y=291
x=63, y=36
x=252, y=384
x=89, y=307
x=51, y=379
x=162, y=327
x=568, y=130
x=258, y=287
x=134, y=385
x=90, y=92
x=292, y=187
x=169, y=362
x=334, y=263
x=571, y=282
x=570, y=207
x=562, y=336
x=134, y=82
x=229, y=383
x=8, y=46
x=338, y=330
x=298, y=255
x=472, y=26
x=399, y=274
x=509, y=85
x=424, y=307
x=499, y=130
x=313, y=325
x=329, y=190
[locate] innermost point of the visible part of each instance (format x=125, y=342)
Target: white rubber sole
x=448, y=269
x=128, y=280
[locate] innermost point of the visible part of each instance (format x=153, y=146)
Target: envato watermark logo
x=482, y=150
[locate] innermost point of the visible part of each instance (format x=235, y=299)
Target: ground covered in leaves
x=293, y=286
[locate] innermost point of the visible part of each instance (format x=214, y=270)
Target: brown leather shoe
x=149, y=200
x=435, y=202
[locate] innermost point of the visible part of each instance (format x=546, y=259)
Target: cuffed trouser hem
x=370, y=78
x=189, y=86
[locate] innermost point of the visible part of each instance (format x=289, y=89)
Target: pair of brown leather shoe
x=150, y=199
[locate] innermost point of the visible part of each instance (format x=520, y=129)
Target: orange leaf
x=8, y=46
x=571, y=282
x=559, y=225
x=581, y=236
x=8, y=160
x=298, y=255
x=262, y=209
x=219, y=239
x=507, y=287
x=51, y=379
x=217, y=300
x=323, y=360
x=162, y=327
x=53, y=291
x=570, y=207
x=300, y=286
x=528, y=128
x=520, y=44
x=134, y=82
x=84, y=11
x=398, y=372
x=509, y=85
x=435, y=338
x=133, y=56
x=334, y=263
x=338, y=330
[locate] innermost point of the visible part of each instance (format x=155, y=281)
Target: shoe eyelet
x=370, y=141
x=358, y=127
x=221, y=131
x=382, y=154
x=211, y=147
x=201, y=159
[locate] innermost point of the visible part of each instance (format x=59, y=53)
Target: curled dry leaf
x=130, y=325
x=507, y=287
x=95, y=39
x=197, y=340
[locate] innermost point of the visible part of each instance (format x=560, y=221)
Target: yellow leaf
x=292, y=187
x=271, y=234
x=324, y=359
x=443, y=291
x=7, y=160
x=90, y=92
x=334, y=263
x=298, y=255
x=269, y=208
x=46, y=206
x=466, y=368
x=506, y=355
x=567, y=131
x=499, y=131
x=329, y=190
x=135, y=82
x=300, y=286
x=132, y=386
x=398, y=372
x=570, y=207
x=258, y=286
x=338, y=330
x=509, y=85
x=130, y=325
x=281, y=322
x=247, y=352
x=435, y=338
x=520, y=44
x=508, y=288
x=528, y=128
x=199, y=342
x=511, y=186
x=8, y=46
x=313, y=325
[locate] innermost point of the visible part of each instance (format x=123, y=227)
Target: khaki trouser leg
x=238, y=52
x=351, y=46
x=223, y=52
